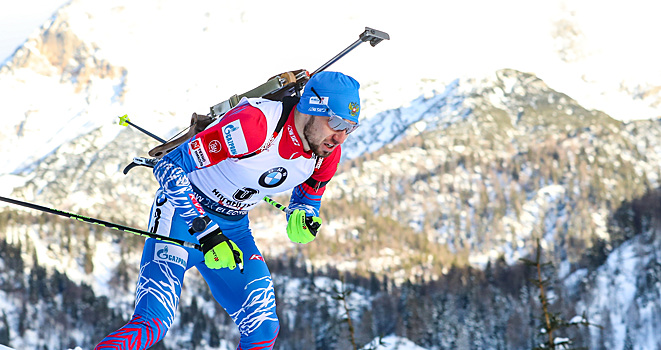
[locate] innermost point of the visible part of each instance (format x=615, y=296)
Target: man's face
x=321, y=138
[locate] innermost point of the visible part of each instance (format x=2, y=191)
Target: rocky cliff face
x=58, y=51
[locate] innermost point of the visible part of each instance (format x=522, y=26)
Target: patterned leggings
x=248, y=297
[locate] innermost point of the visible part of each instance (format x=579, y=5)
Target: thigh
x=165, y=220
x=160, y=280
x=248, y=297
x=163, y=264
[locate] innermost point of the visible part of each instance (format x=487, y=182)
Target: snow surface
x=614, y=291
x=393, y=342
x=446, y=41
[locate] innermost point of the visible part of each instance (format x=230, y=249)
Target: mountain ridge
x=457, y=183
x=412, y=255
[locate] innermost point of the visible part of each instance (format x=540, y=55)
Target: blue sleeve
x=300, y=199
x=172, y=178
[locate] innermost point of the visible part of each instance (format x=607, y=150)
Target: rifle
x=276, y=88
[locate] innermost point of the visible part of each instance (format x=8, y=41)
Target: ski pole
x=314, y=226
x=124, y=121
x=277, y=205
x=372, y=35
x=103, y=223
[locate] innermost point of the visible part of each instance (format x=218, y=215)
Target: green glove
x=220, y=252
x=302, y=228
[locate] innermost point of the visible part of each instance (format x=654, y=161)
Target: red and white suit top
x=227, y=182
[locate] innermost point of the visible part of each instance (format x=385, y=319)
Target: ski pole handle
x=314, y=226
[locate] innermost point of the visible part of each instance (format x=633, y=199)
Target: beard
x=316, y=145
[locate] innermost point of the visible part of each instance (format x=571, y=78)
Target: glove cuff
x=212, y=239
x=203, y=226
x=308, y=209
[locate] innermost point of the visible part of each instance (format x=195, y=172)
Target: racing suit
x=223, y=172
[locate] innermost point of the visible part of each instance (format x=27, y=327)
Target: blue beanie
x=338, y=90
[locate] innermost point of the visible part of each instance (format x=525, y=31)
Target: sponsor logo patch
x=197, y=204
x=170, y=253
x=354, y=108
x=273, y=177
x=233, y=204
x=244, y=194
x=293, y=136
x=314, y=100
x=236, y=141
x=256, y=257
x=215, y=146
x=199, y=154
x=317, y=109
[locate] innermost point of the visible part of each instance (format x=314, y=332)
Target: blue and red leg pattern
x=139, y=333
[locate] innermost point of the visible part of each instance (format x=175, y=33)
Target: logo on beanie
x=354, y=109
x=316, y=101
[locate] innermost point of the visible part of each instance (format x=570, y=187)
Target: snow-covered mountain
x=443, y=175
x=84, y=62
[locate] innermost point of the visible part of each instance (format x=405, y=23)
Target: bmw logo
x=273, y=177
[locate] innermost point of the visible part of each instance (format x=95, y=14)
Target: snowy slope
x=567, y=44
x=152, y=59
x=392, y=342
x=627, y=282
